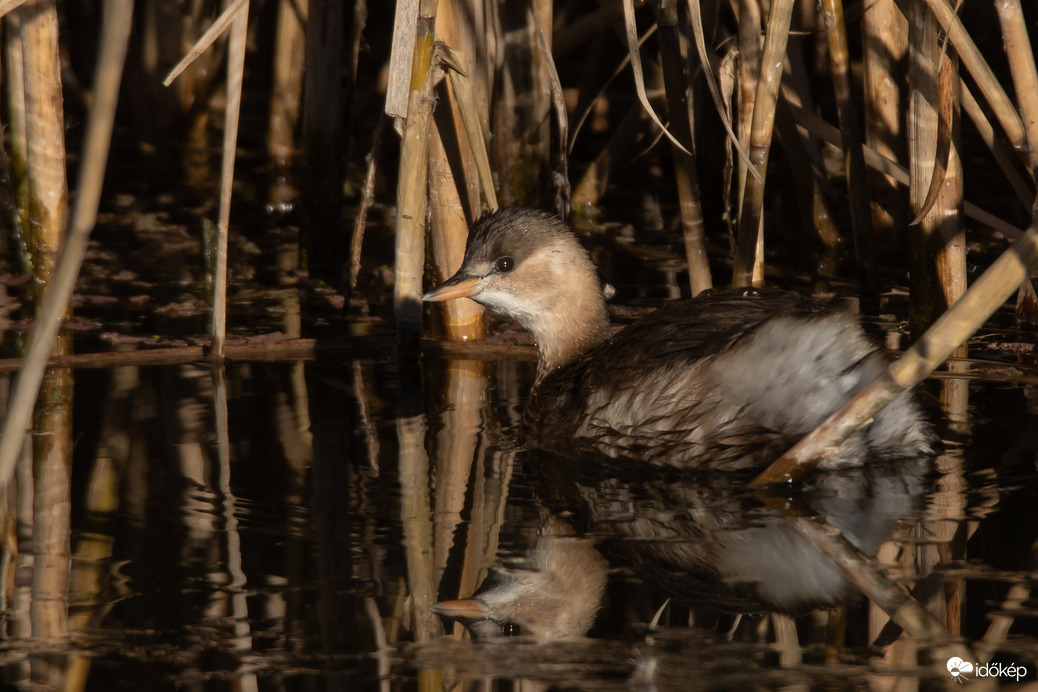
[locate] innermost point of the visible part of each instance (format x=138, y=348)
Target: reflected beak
x=458, y=286
x=463, y=610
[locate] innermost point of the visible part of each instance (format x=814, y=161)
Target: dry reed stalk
x=450, y=210
x=1025, y=81
x=285, y=93
x=520, y=151
x=1004, y=156
x=749, y=264
x=893, y=170
x=474, y=119
x=853, y=155
x=235, y=16
x=457, y=34
x=885, y=44
x=951, y=330
x=937, y=258
x=978, y=68
x=633, y=45
x=367, y=198
x=227, y=16
x=401, y=60
x=541, y=86
x=9, y=5
x=412, y=197
x=45, y=135
x=14, y=83
x=678, y=86
x=749, y=69
x=235, y=74
x=559, y=173
x=48, y=210
x=448, y=231
x=1025, y=74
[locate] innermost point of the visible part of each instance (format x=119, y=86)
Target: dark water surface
x=288, y=530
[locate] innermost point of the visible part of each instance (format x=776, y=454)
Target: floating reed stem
x=749, y=261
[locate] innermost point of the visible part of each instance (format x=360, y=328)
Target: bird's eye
x=504, y=265
x=510, y=629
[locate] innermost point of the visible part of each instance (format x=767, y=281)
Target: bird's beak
x=464, y=610
x=458, y=286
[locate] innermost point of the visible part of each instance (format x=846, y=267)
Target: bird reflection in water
x=701, y=539
x=554, y=596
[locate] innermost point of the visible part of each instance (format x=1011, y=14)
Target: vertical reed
x=456, y=201
x=884, y=31
x=749, y=69
x=749, y=260
x=235, y=76
x=853, y=155
x=678, y=86
x=14, y=84
x=937, y=248
x=285, y=93
x=47, y=207
x=412, y=183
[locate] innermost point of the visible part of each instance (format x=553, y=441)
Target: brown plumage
x=726, y=380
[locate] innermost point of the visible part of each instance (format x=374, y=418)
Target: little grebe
x=554, y=596
x=726, y=380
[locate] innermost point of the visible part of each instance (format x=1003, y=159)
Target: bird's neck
x=579, y=323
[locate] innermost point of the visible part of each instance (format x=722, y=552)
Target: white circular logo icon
x=958, y=668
